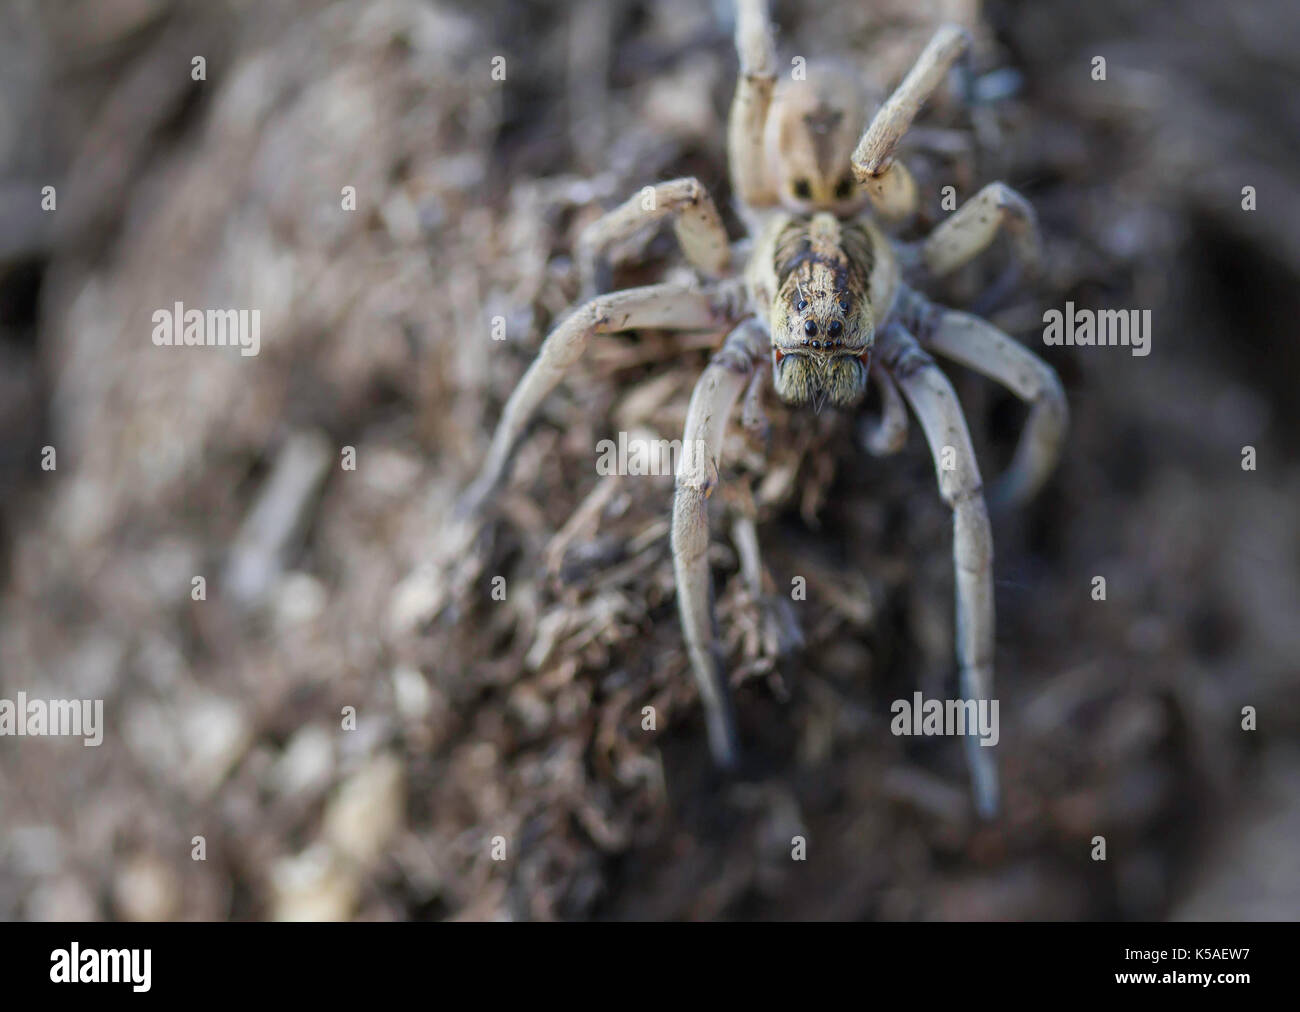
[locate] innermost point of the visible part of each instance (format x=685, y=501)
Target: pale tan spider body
x=821, y=308
x=819, y=284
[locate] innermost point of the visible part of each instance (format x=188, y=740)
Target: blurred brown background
x=521, y=718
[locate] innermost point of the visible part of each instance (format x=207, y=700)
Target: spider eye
x=835, y=328
x=810, y=328
x=844, y=305
x=844, y=188
x=801, y=305
x=801, y=189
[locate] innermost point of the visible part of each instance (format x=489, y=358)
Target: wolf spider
x=822, y=290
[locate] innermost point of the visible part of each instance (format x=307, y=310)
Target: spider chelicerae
x=820, y=310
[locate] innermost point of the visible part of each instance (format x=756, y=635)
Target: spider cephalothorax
x=822, y=322
x=823, y=305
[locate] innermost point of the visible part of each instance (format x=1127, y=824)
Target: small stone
x=300, y=599
x=146, y=889
x=307, y=763
x=313, y=886
x=216, y=734
x=414, y=602
x=411, y=693
x=368, y=810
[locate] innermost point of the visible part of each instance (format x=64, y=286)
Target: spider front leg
x=979, y=345
x=936, y=407
x=745, y=124
x=700, y=231
x=712, y=401
x=752, y=415
x=667, y=307
x=974, y=226
x=889, y=185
